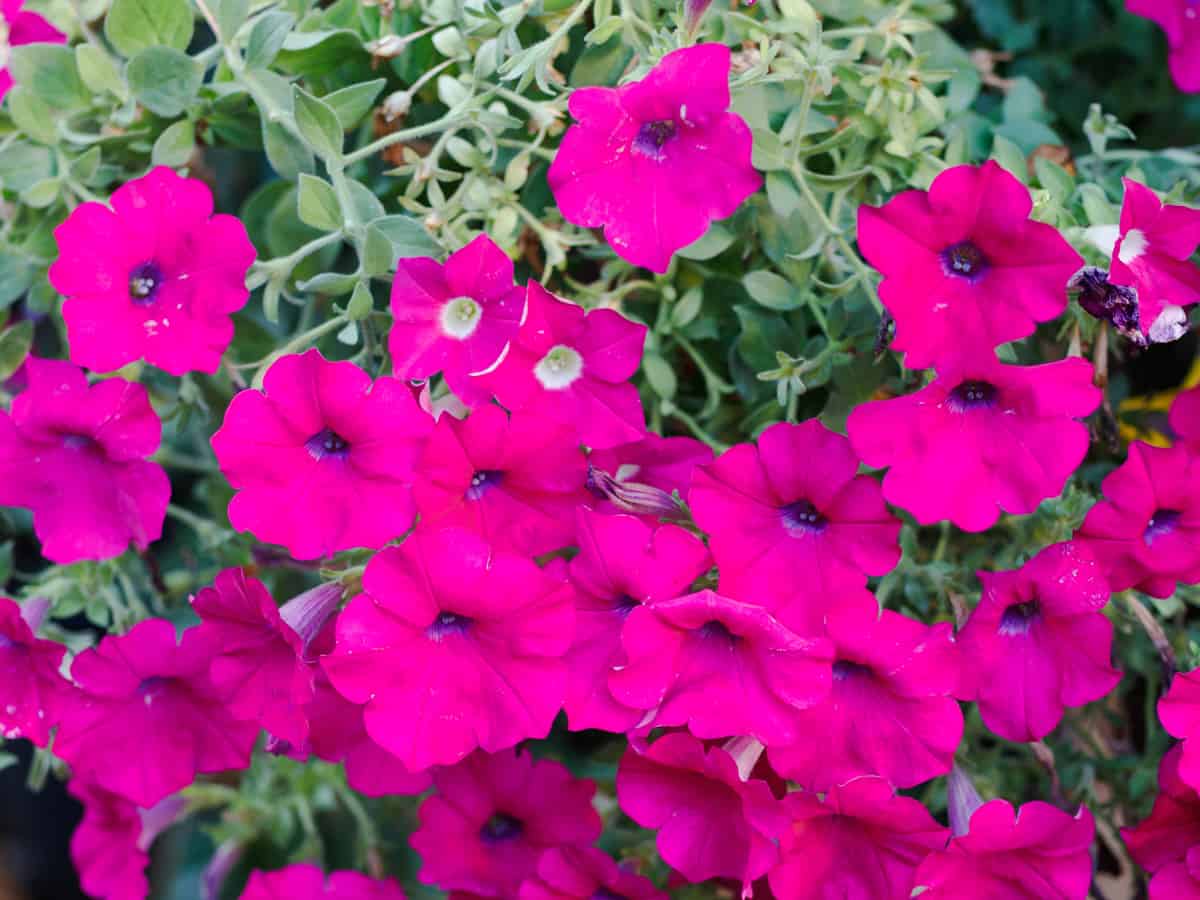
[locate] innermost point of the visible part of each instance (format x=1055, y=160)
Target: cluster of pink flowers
x=773, y=710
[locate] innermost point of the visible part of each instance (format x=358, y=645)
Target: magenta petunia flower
x=1185, y=418
x=574, y=367
x=1172, y=830
x=1038, y=643
x=712, y=822
x=322, y=458
x=110, y=846
x=514, y=481
x=721, y=667
x=23, y=26
x=622, y=562
x=1037, y=852
x=455, y=318
x=1179, y=711
x=585, y=873
x=145, y=719
x=258, y=658
x=791, y=517
x=305, y=881
x=890, y=711
x=337, y=734
x=662, y=464
x=981, y=438
x=963, y=264
x=156, y=277
x=494, y=815
x=861, y=841
x=1146, y=532
x=1179, y=880
x=1151, y=256
x=75, y=455
x=1180, y=20
x=653, y=162
x=453, y=646
x=31, y=688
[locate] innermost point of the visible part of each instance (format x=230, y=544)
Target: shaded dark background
x=1076, y=51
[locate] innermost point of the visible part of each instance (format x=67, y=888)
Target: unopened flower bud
x=387, y=47
x=33, y=611
x=158, y=819
x=308, y=613
x=961, y=800
x=630, y=496
x=396, y=105
x=213, y=880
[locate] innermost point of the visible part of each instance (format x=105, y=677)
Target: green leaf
x=133, y=25
x=230, y=15
x=98, y=71
x=408, y=236
x=378, y=255
x=33, y=116
x=332, y=284
x=267, y=36
x=175, y=145
x=1096, y=205
x=351, y=103
x=317, y=204
x=317, y=52
x=42, y=194
x=772, y=291
x=367, y=207
x=288, y=157
x=659, y=375
x=318, y=123
x=49, y=70
x=602, y=63
x=15, y=343
x=361, y=301
x=712, y=243
x=1054, y=178
x=21, y=163
x=16, y=276
x=83, y=167
x=1009, y=156
x=163, y=80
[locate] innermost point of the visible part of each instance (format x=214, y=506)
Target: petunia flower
x=574, y=367
x=305, y=881
x=1146, y=531
x=456, y=318
x=1185, y=418
x=75, y=455
x=981, y=438
x=1180, y=20
x=31, y=688
x=452, y=646
x=493, y=816
x=721, y=667
x=258, y=656
x=643, y=475
x=860, y=841
x=585, y=873
x=653, y=162
x=1038, y=643
x=156, y=277
x=145, y=719
x=111, y=845
x=1151, y=256
x=1178, y=880
x=713, y=819
x=622, y=562
x=322, y=458
x=22, y=26
x=890, y=711
x=514, y=481
x=791, y=517
x=1170, y=834
x=1036, y=852
x=963, y=264
x=337, y=734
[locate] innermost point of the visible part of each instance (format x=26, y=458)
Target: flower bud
x=34, y=610
x=308, y=613
x=396, y=105
x=213, y=880
x=158, y=819
x=961, y=800
x=630, y=496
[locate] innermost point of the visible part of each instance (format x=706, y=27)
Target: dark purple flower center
x=965, y=260
x=327, y=443
x=152, y=688
x=603, y=893
x=447, y=624
x=973, y=395
x=717, y=631
x=144, y=282
x=1164, y=521
x=6, y=642
x=623, y=605
x=1018, y=618
x=501, y=827
x=803, y=518
x=482, y=482
x=78, y=442
x=844, y=670
x=652, y=136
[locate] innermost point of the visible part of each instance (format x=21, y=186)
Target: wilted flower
x=1109, y=302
